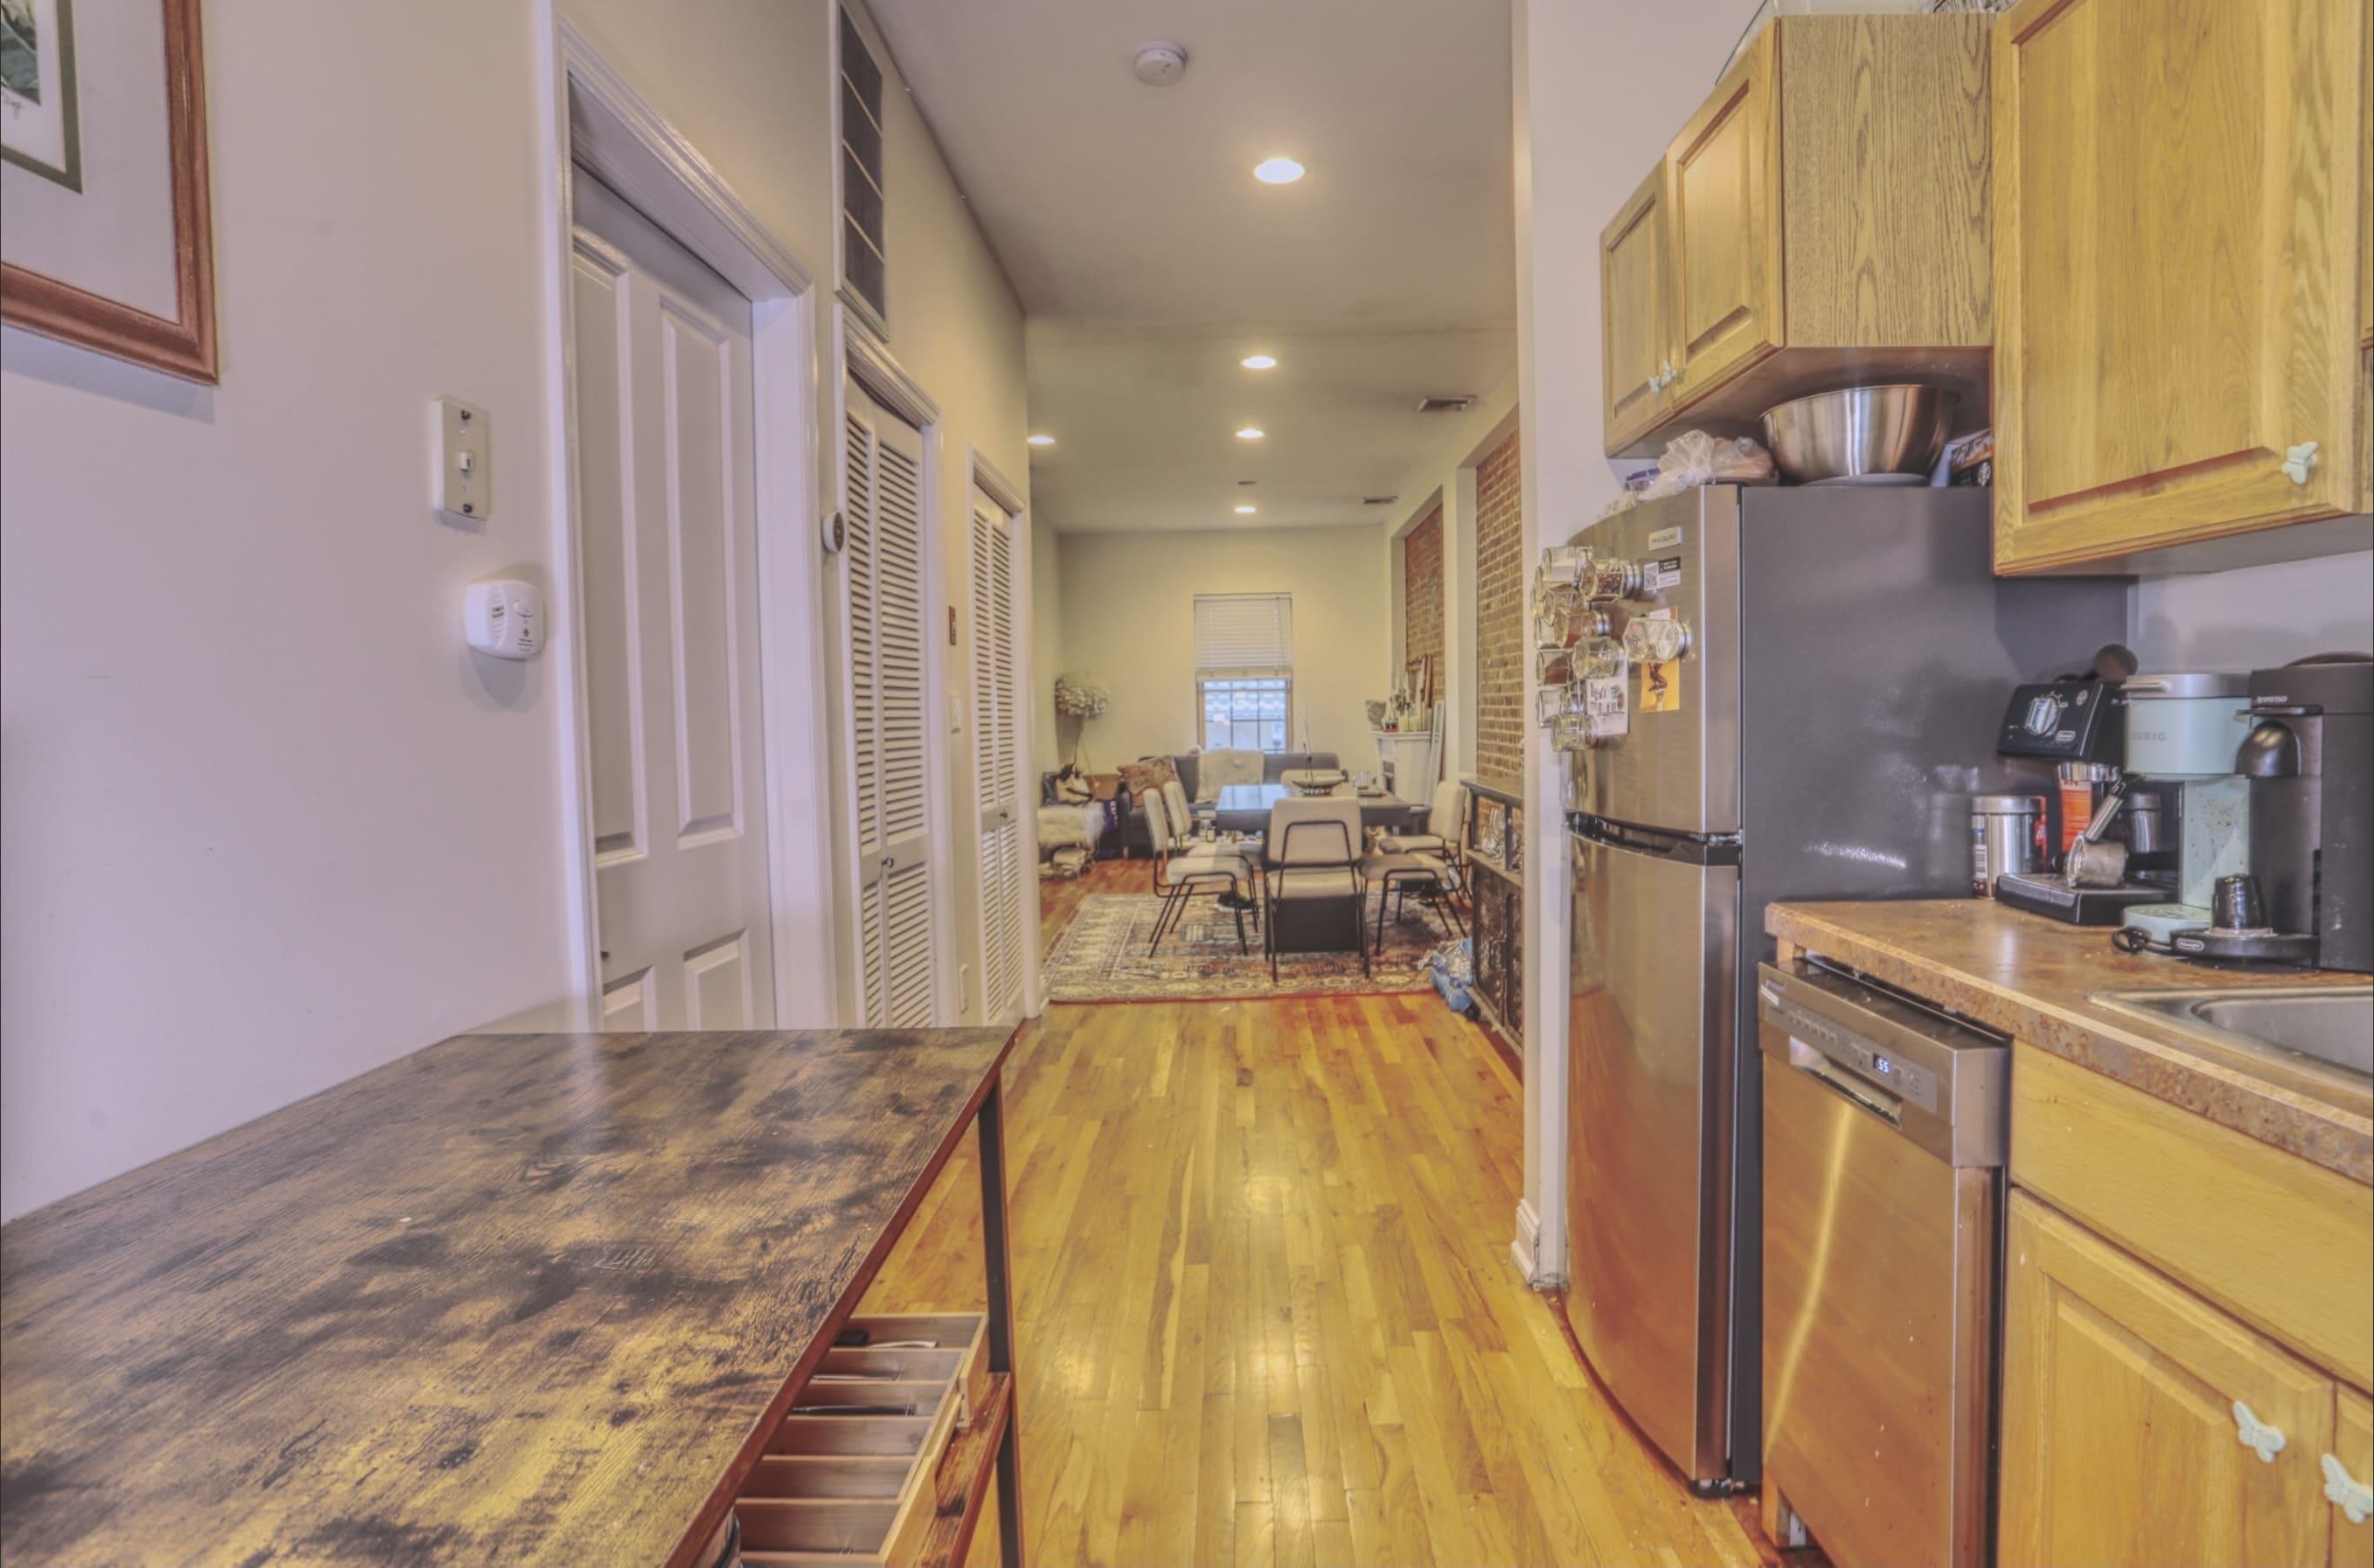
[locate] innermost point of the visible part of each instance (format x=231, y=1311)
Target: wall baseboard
x=1524, y=1244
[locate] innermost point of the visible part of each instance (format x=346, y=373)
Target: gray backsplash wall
x=2254, y=616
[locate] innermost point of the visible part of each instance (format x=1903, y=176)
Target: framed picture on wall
x=108, y=242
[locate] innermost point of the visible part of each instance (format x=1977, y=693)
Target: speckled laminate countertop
x=2034, y=979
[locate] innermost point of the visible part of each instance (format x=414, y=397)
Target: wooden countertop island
x=523, y=1299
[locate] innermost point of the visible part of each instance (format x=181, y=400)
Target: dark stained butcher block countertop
x=513, y=1298
x=2035, y=979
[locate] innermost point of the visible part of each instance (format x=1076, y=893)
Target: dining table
x=1244, y=808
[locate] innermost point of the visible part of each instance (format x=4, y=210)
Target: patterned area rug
x=1102, y=956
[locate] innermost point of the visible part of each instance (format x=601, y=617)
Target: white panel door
x=667, y=535
x=890, y=746
x=996, y=706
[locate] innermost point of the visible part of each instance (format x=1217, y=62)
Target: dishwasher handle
x=1888, y=1107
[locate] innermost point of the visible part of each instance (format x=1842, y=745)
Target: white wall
x=2253, y=617
x=1128, y=618
x=1600, y=90
x=253, y=789
x=1047, y=745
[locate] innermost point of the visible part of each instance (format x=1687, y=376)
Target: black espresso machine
x=2077, y=724
x=2308, y=896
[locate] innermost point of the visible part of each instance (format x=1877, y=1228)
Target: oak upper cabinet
x=2177, y=186
x=1638, y=363
x=2130, y=1407
x=1820, y=221
x=1722, y=192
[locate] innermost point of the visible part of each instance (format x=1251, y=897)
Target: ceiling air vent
x=1379, y=500
x=1446, y=404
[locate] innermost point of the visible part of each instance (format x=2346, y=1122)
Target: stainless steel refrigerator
x=1848, y=653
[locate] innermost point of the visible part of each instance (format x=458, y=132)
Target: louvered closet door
x=889, y=742
x=667, y=538
x=996, y=717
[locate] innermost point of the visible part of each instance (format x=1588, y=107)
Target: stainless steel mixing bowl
x=1861, y=433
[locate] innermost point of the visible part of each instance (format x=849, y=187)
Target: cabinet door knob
x=2257, y=1435
x=2354, y=1498
x=2298, y=461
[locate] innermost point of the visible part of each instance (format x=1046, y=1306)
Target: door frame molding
x=1004, y=493
x=599, y=121
x=864, y=358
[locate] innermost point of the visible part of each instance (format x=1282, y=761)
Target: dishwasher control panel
x=1940, y=1079
x=1908, y=1080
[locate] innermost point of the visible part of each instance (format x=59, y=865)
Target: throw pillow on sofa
x=1144, y=780
x=1218, y=768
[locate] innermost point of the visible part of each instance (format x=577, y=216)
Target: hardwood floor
x=1059, y=897
x=1265, y=1308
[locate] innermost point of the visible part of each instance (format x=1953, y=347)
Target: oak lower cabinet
x=2123, y=1396
x=2178, y=227
x=1820, y=220
x=2142, y=1425
x=2350, y=1473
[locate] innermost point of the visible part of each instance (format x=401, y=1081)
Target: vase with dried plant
x=1080, y=697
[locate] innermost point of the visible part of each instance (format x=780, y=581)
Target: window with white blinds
x=1245, y=669
x=1244, y=635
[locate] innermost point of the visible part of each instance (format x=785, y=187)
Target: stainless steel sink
x=2333, y=1024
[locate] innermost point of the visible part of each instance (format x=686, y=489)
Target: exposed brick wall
x=1499, y=614
x=1422, y=593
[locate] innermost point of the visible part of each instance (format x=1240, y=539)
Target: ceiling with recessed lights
x=1153, y=262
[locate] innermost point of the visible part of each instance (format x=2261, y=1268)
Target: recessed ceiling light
x=1246, y=510
x=1278, y=172
x=1251, y=433
x=1042, y=440
x=1259, y=362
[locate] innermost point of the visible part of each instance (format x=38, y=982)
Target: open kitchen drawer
x=886, y=1455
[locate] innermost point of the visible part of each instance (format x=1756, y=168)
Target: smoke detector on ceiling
x=1459, y=404
x=1159, y=65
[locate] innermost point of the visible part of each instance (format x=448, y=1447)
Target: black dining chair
x=1313, y=881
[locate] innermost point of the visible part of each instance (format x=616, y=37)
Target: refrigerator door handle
x=1710, y=849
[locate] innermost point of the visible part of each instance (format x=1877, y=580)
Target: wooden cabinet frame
x=1820, y=221
x=1724, y=304
x=1635, y=317
x=2293, y=373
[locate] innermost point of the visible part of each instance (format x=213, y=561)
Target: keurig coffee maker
x=2181, y=739
x=2308, y=895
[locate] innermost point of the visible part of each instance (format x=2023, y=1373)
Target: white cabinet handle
x=2298, y=461
x=2354, y=1498
x=2257, y=1435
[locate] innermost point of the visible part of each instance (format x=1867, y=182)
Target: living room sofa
x=1275, y=765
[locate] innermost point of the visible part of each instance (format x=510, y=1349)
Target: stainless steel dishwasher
x=1883, y=1135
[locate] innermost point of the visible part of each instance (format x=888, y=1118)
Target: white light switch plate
x=462, y=446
